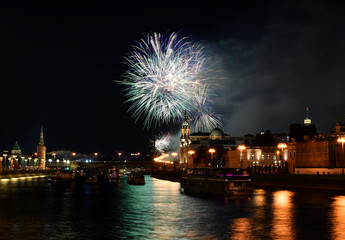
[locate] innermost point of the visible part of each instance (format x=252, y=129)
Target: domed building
x=190, y=143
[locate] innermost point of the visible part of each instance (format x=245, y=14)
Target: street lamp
x=342, y=140
x=241, y=148
x=211, y=151
x=282, y=146
x=192, y=152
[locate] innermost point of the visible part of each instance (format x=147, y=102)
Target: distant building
x=322, y=154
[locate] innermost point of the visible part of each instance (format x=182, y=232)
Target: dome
x=217, y=132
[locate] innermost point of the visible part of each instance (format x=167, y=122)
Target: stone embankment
x=279, y=181
x=18, y=174
x=299, y=182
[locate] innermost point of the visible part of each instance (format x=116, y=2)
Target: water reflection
x=36, y=209
x=241, y=229
x=282, y=210
x=337, y=216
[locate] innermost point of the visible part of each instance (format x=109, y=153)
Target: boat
x=60, y=177
x=136, y=178
x=217, y=181
x=113, y=174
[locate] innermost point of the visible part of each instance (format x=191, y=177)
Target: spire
x=16, y=146
x=41, y=137
x=185, y=118
x=307, y=120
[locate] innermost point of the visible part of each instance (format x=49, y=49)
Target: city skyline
x=273, y=59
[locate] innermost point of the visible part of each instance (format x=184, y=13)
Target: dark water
x=36, y=209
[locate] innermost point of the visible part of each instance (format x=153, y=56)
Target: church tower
x=307, y=120
x=184, y=139
x=41, y=151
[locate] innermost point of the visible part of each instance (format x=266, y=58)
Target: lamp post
x=211, y=151
x=192, y=152
x=241, y=148
x=342, y=140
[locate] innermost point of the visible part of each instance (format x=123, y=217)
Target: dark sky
x=59, y=63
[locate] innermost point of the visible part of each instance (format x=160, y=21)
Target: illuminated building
x=322, y=154
x=259, y=158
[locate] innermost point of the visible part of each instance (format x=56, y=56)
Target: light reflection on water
x=36, y=209
x=283, y=215
x=338, y=217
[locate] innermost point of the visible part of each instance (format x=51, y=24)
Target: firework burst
x=162, y=143
x=165, y=77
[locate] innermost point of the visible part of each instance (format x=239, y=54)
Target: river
x=36, y=209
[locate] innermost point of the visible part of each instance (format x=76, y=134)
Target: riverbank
x=283, y=181
x=26, y=174
x=299, y=182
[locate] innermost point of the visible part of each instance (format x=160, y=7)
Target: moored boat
x=217, y=181
x=60, y=177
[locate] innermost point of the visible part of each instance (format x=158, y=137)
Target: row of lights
x=164, y=156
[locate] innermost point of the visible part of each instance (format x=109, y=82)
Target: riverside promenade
x=23, y=174
x=279, y=181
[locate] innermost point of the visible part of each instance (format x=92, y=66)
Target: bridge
x=101, y=164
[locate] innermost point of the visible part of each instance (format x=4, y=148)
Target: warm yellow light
x=119, y=154
x=191, y=152
x=211, y=150
x=282, y=145
x=73, y=154
x=160, y=159
x=96, y=154
x=341, y=140
x=174, y=154
x=241, y=147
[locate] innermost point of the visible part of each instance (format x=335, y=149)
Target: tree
x=298, y=131
x=265, y=139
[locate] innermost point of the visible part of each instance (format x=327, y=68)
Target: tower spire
x=41, y=151
x=184, y=139
x=41, y=137
x=307, y=120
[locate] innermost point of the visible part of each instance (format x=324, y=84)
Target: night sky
x=59, y=64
